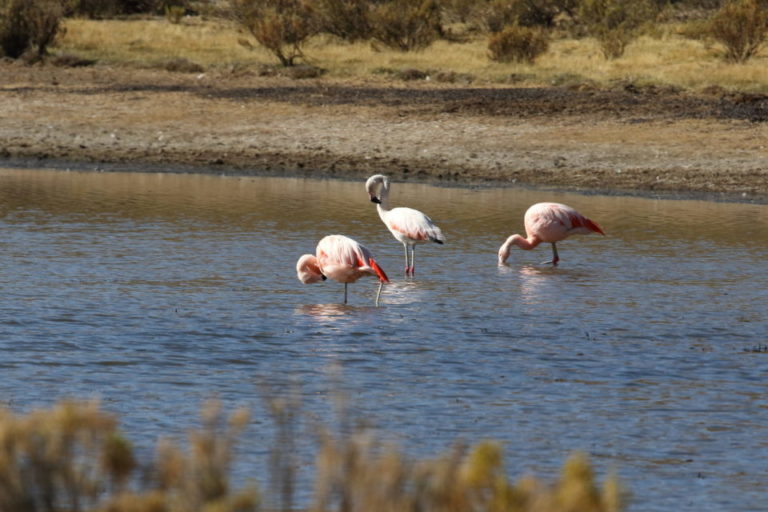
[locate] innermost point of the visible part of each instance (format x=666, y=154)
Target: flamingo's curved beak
x=322, y=276
x=375, y=199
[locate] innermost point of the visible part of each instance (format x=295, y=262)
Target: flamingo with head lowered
x=342, y=259
x=407, y=225
x=550, y=223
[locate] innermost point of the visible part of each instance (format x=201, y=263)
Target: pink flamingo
x=548, y=222
x=343, y=260
x=407, y=225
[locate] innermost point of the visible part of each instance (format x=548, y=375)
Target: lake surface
x=647, y=348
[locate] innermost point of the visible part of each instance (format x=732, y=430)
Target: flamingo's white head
x=504, y=251
x=308, y=271
x=374, y=186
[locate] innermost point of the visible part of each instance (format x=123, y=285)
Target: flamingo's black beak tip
x=376, y=200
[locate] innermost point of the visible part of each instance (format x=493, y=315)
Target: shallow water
x=645, y=348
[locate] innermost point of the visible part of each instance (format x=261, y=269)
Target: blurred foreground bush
x=72, y=458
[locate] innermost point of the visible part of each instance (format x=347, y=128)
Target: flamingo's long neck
x=524, y=243
x=383, y=205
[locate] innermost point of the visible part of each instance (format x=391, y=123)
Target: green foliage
x=280, y=26
x=346, y=19
x=741, y=26
x=406, y=25
x=519, y=44
x=29, y=26
x=615, y=23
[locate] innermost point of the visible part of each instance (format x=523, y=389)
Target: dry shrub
x=110, y=8
x=616, y=23
x=29, y=26
x=346, y=19
x=175, y=13
x=406, y=25
x=93, y=8
x=280, y=26
x=519, y=44
x=72, y=457
x=462, y=11
x=358, y=474
x=741, y=26
x=61, y=457
x=181, y=65
x=528, y=13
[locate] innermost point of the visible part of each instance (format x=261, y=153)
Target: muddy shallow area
x=627, y=139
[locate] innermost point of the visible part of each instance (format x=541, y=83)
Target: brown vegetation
x=741, y=26
x=73, y=457
x=516, y=43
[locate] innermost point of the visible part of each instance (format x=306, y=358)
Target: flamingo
x=407, y=225
x=548, y=222
x=343, y=260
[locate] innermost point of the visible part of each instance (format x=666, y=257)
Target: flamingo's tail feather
x=593, y=226
x=379, y=271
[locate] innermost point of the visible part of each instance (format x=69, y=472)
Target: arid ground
x=624, y=140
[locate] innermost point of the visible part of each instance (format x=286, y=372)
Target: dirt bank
x=627, y=140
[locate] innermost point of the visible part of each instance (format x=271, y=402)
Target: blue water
x=646, y=348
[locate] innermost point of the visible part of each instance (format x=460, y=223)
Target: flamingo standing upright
x=550, y=223
x=407, y=225
x=343, y=260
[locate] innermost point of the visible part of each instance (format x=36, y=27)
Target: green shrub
x=616, y=23
x=346, y=19
x=406, y=25
x=29, y=26
x=741, y=26
x=519, y=44
x=280, y=26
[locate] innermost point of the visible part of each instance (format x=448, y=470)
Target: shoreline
x=224, y=171
x=651, y=143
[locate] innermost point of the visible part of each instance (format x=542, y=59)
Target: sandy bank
x=624, y=140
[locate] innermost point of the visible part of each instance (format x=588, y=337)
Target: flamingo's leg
x=413, y=259
x=345, y=293
x=555, y=257
x=378, y=293
x=407, y=267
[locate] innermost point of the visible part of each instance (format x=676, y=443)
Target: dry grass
x=665, y=59
x=73, y=458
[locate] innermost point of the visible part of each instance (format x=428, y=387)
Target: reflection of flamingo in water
x=343, y=260
x=550, y=223
x=407, y=225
